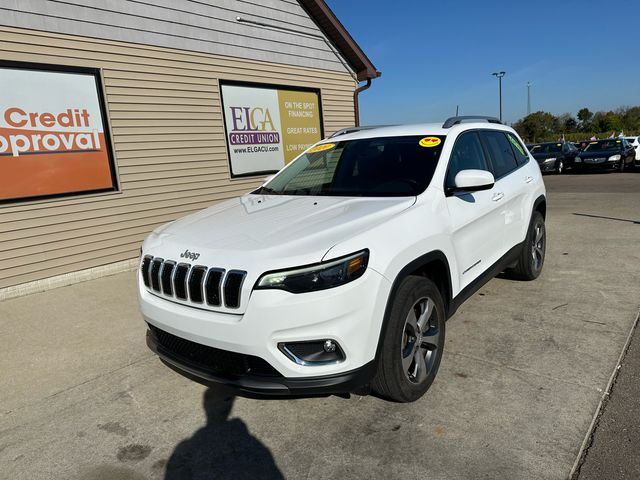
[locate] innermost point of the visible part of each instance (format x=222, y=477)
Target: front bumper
x=587, y=164
x=262, y=384
x=350, y=315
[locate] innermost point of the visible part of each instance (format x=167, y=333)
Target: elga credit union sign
x=267, y=127
x=52, y=134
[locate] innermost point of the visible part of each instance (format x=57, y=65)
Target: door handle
x=528, y=179
x=497, y=196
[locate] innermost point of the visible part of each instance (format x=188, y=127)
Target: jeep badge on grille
x=190, y=255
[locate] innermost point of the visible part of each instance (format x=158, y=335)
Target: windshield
x=545, y=148
x=377, y=167
x=603, y=145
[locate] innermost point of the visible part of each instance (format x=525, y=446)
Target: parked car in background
x=607, y=154
x=635, y=143
x=554, y=156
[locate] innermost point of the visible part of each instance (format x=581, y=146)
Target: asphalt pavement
x=526, y=368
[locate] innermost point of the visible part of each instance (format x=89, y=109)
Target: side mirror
x=473, y=181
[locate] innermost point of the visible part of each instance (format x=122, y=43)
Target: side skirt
x=506, y=261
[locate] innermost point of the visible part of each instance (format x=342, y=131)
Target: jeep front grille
x=197, y=284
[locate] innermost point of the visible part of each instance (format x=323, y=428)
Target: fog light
x=315, y=352
x=329, y=346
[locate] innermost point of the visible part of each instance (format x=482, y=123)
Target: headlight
x=547, y=160
x=614, y=158
x=317, y=277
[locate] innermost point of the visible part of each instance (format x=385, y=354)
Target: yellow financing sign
x=300, y=119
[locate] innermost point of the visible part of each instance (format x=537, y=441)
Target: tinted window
x=519, y=151
x=502, y=157
x=599, y=145
x=546, y=148
x=385, y=166
x=467, y=154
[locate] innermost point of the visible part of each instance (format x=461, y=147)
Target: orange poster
x=52, y=135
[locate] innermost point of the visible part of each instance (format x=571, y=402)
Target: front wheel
x=560, y=167
x=531, y=258
x=411, y=349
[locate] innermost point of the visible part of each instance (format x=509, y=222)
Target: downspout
x=356, y=103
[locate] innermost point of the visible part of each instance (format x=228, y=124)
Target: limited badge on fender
x=429, y=142
x=321, y=148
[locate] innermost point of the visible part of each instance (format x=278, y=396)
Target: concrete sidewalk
x=524, y=370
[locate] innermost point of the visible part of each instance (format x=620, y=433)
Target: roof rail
x=450, y=122
x=344, y=131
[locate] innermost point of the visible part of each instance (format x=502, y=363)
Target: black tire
x=621, y=167
x=560, y=167
x=531, y=259
x=401, y=375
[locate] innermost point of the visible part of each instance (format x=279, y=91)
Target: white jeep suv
x=337, y=275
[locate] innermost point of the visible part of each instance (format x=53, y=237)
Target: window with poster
x=267, y=126
x=54, y=136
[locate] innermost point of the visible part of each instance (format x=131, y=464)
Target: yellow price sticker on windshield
x=321, y=148
x=429, y=142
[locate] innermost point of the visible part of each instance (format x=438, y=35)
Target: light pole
x=499, y=76
x=528, y=98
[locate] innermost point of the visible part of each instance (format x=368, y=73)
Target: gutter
x=356, y=101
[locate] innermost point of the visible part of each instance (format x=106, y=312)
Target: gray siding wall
x=194, y=25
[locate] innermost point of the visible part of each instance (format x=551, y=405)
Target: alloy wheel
x=538, y=247
x=420, y=340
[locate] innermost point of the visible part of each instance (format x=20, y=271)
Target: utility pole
x=528, y=98
x=499, y=76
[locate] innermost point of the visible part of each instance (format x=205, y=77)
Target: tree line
x=544, y=126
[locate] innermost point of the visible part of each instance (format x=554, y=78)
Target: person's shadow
x=223, y=448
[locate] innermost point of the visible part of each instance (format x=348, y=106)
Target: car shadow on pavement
x=223, y=448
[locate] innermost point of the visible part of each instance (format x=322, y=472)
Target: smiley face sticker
x=429, y=142
x=321, y=148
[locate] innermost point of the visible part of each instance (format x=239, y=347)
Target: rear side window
x=502, y=157
x=466, y=154
x=518, y=149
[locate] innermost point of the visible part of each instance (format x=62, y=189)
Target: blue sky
x=436, y=55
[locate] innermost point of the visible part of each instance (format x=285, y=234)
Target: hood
x=289, y=226
x=258, y=233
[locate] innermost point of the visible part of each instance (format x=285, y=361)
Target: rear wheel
x=531, y=258
x=411, y=349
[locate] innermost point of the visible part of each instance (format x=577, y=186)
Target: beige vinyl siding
x=170, y=151
x=192, y=25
